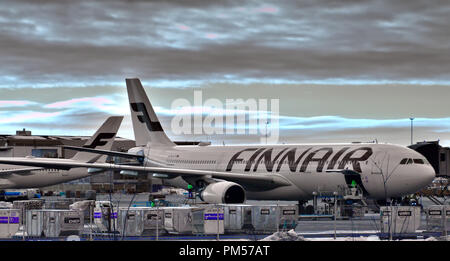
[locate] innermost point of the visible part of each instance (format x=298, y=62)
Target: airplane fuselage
x=39, y=178
x=307, y=167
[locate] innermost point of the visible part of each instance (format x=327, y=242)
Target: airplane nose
x=410, y=181
x=427, y=176
x=424, y=177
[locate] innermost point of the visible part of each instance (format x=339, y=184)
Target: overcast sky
x=342, y=70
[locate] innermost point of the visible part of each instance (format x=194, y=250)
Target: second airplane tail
x=102, y=139
x=146, y=126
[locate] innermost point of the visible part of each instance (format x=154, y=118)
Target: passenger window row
x=293, y=162
x=192, y=161
x=411, y=161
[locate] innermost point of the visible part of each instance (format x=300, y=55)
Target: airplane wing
x=18, y=171
x=106, y=152
x=266, y=180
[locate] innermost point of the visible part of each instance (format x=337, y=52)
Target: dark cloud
x=316, y=40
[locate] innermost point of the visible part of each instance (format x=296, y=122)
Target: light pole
x=411, y=130
x=267, y=122
x=335, y=212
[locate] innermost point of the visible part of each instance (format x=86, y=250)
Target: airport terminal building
x=438, y=156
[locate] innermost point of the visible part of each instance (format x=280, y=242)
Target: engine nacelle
x=223, y=192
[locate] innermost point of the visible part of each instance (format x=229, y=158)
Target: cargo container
x=24, y=205
x=436, y=216
x=153, y=221
x=183, y=220
x=237, y=218
x=213, y=220
x=105, y=216
x=271, y=218
x=53, y=222
x=264, y=219
x=287, y=216
x=9, y=222
x=138, y=221
x=34, y=223
x=130, y=221
x=72, y=222
x=59, y=223
x=400, y=219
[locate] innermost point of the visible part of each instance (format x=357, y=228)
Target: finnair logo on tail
x=144, y=117
x=235, y=117
x=100, y=140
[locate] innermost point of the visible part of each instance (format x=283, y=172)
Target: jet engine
x=223, y=192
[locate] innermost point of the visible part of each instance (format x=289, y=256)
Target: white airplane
x=232, y=174
x=18, y=177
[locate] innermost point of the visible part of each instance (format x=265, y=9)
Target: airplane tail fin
x=102, y=139
x=146, y=126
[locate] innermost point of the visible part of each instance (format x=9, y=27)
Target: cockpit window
x=419, y=161
x=411, y=161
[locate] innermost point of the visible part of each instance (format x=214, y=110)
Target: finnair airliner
x=18, y=177
x=232, y=174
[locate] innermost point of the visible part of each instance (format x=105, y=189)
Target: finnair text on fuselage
x=264, y=156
